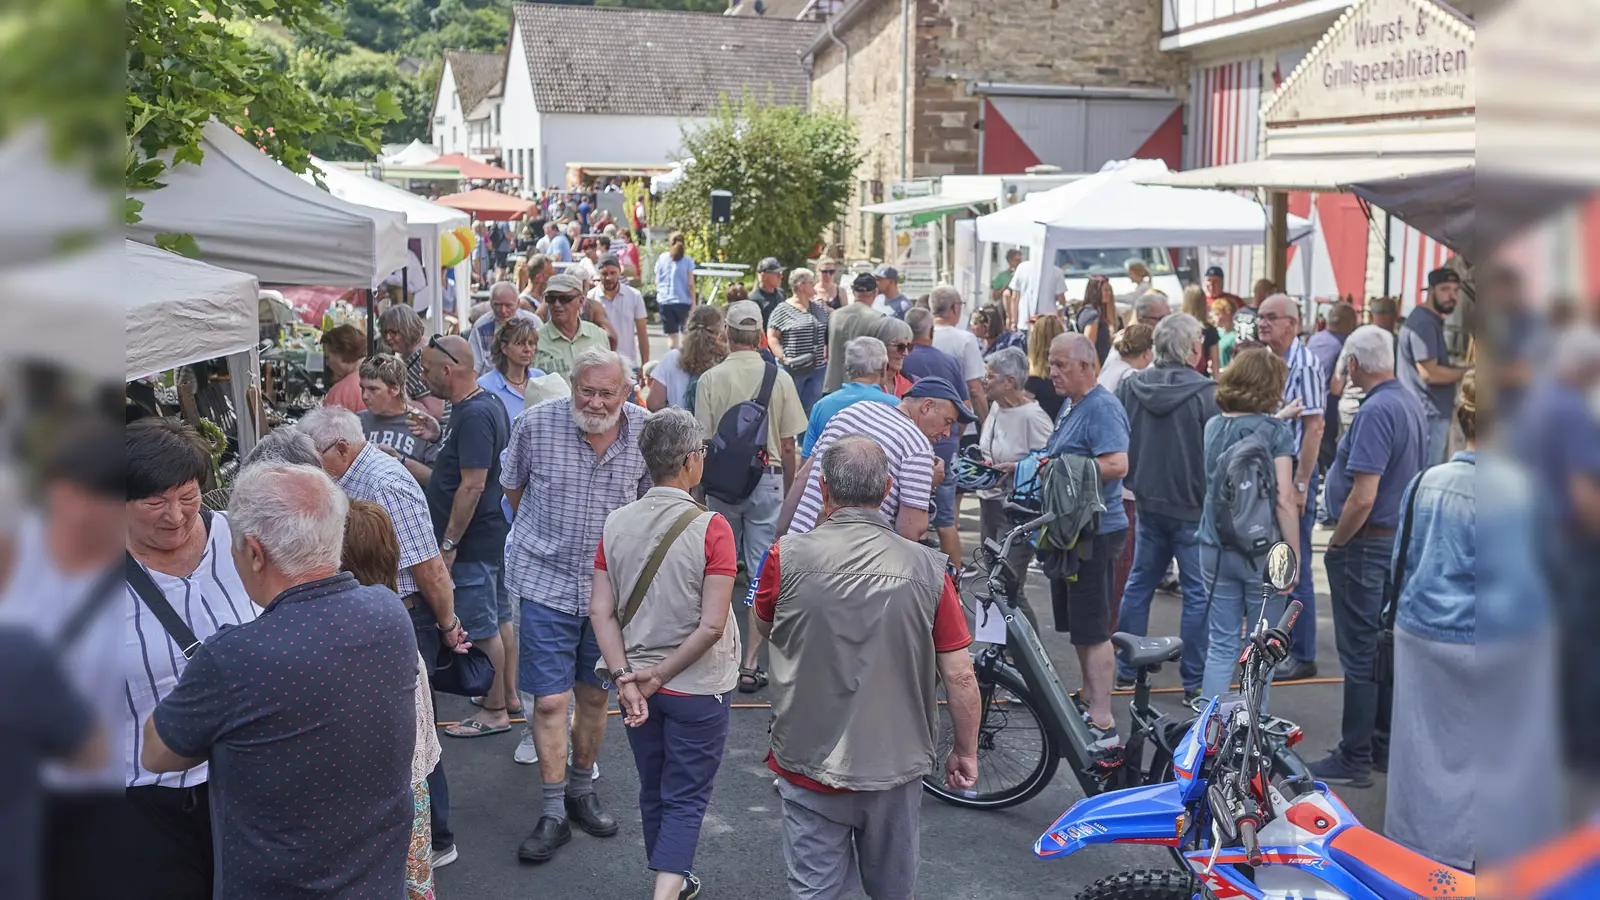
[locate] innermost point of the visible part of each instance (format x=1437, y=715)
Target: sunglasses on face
x=901, y=347
x=433, y=344
x=829, y=271
x=560, y=299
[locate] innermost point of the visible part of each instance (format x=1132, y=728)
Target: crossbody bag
x=155, y=601
x=636, y=596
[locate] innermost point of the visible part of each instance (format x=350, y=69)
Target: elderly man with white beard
x=572, y=461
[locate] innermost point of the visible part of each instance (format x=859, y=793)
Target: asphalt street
x=966, y=855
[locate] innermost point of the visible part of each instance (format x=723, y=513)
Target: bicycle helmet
x=1027, y=487
x=972, y=475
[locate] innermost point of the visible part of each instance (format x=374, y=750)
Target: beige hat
x=744, y=314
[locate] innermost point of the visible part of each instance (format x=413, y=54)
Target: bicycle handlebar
x=1291, y=614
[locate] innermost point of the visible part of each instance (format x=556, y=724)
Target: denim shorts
x=944, y=503
x=477, y=601
x=557, y=650
x=673, y=316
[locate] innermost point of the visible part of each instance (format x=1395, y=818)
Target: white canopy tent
x=415, y=153
x=660, y=184
x=426, y=222
x=248, y=213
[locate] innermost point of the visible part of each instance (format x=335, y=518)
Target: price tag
x=991, y=622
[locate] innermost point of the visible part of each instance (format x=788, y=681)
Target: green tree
x=482, y=25
x=362, y=76
x=189, y=61
x=789, y=170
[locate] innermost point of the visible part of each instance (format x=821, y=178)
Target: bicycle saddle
x=1392, y=870
x=1141, y=652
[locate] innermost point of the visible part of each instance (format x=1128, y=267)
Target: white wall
x=448, y=105
x=519, y=116
x=594, y=138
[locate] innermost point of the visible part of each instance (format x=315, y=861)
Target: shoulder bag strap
x=769, y=377
x=100, y=594
x=660, y=553
x=156, y=602
x=1392, y=601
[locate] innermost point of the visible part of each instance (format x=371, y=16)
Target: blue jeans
x=1438, y=441
x=1357, y=575
x=1303, y=642
x=678, y=751
x=1157, y=539
x=1233, y=591
x=810, y=386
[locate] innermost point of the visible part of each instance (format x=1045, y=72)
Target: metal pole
x=372, y=337
x=1388, y=224
x=1278, y=240
x=905, y=87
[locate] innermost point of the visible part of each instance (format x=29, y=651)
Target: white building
x=466, y=105
x=614, y=87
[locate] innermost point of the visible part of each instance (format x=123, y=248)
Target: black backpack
x=1245, y=493
x=738, y=455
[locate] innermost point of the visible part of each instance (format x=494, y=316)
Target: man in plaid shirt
x=571, y=462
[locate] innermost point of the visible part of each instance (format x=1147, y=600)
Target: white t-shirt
x=1114, y=371
x=1009, y=434
x=625, y=310
x=584, y=268
x=674, y=379
x=963, y=345
x=1026, y=284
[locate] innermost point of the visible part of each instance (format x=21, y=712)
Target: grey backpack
x=1244, y=494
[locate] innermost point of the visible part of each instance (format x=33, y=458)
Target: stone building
x=995, y=86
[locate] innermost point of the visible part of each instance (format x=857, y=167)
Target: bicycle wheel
x=1017, y=756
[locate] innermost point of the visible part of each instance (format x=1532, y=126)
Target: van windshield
x=1112, y=262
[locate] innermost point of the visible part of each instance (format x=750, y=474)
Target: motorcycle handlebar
x=1247, y=838
x=1291, y=614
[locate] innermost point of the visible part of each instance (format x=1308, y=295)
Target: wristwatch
x=611, y=677
x=448, y=545
x=1300, y=487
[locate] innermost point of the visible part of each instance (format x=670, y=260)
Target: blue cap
x=1214, y=272
x=934, y=386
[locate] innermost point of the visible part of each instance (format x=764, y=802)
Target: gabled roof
x=478, y=75
x=774, y=9
x=585, y=59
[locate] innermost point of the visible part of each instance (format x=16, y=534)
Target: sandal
x=752, y=680
x=514, y=712
x=471, y=728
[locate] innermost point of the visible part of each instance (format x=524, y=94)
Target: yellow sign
x=1382, y=59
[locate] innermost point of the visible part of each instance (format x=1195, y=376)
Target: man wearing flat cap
x=566, y=335
x=1424, y=359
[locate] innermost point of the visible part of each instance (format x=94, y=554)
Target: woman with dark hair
x=674, y=286
x=705, y=343
x=372, y=555
x=989, y=327
x=187, y=557
x=511, y=353
x=1249, y=392
x=1097, y=318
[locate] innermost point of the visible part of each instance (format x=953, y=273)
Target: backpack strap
x=101, y=593
x=769, y=377
x=1391, y=606
x=649, y=573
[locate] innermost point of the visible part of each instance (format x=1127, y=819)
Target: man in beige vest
x=863, y=624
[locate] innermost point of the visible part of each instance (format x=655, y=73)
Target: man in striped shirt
x=1278, y=326
x=905, y=432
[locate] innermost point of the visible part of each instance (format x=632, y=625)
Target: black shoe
x=1334, y=769
x=691, y=887
x=1190, y=695
x=549, y=834
x=1380, y=763
x=1294, y=670
x=585, y=812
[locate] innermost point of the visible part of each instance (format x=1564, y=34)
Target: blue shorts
x=478, y=587
x=673, y=315
x=944, y=503
x=557, y=651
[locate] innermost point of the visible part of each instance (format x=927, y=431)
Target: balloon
x=451, y=251
x=468, y=237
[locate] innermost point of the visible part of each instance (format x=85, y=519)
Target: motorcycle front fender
x=1153, y=814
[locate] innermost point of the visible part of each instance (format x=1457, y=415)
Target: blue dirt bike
x=1234, y=830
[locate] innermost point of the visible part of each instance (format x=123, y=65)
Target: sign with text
x=1382, y=59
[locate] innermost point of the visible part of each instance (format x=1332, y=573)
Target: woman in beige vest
x=663, y=585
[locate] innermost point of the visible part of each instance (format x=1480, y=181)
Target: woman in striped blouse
x=797, y=332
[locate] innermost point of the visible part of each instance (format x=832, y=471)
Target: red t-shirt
x=949, y=635
x=346, y=392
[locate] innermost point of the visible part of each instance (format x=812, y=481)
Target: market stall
x=426, y=223
x=489, y=205
x=472, y=170
x=248, y=213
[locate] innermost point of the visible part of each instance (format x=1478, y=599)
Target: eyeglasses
x=703, y=449
x=1274, y=317
x=322, y=450
x=593, y=393
x=901, y=346
x=433, y=344
x=560, y=299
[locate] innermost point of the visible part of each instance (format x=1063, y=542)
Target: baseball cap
x=1214, y=272
x=934, y=386
x=770, y=264
x=744, y=314
x=563, y=283
x=1443, y=276
x=609, y=259
x=864, y=283
x=889, y=272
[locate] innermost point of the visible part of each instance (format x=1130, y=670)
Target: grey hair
x=921, y=322
x=296, y=512
x=328, y=424
x=1079, y=348
x=1009, y=363
x=402, y=318
x=744, y=337
x=1372, y=347
x=1293, y=304
x=286, y=444
x=1175, y=338
x=1577, y=351
x=891, y=330
x=501, y=287
x=667, y=439
x=856, y=471
x=595, y=357
x=1145, y=306
x=802, y=274
x=865, y=356
x=943, y=298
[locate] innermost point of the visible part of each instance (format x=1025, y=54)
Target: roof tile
x=477, y=75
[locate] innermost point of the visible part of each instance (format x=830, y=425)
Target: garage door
x=1079, y=134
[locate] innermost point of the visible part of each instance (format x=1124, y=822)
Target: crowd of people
x=560, y=519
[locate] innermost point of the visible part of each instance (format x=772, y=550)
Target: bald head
x=1073, y=365
x=855, y=473
x=1278, y=322
x=447, y=367
x=1075, y=347
x=1281, y=304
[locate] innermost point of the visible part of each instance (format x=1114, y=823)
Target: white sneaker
x=594, y=773
x=442, y=858
x=527, y=754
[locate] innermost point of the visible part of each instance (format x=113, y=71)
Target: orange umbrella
x=483, y=203
x=471, y=168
